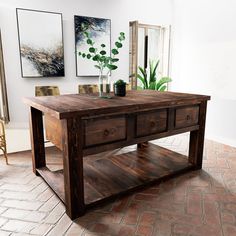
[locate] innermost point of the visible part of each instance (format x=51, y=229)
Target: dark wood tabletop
x=65, y=106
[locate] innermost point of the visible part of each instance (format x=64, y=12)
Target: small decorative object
x=120, y=88
x=153, y=83
x=104, y=59
x=99, y=30
x=41, y=43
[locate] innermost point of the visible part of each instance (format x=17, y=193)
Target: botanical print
x=41, y=43
x=100, y=31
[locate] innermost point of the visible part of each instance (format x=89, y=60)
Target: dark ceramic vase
x=120, y=90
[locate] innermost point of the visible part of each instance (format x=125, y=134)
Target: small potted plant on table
x=103, y=59
x=120, y=88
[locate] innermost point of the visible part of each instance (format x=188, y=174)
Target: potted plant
x=102, y=59
x=153, y=82
x=120, y=88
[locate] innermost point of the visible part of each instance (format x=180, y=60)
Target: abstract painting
x=100, y=32
x=41, y=43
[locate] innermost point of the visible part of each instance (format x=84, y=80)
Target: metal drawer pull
x=152, y=123
x=106, y=132
x=188, y=117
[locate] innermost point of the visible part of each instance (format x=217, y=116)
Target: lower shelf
x=106, y=178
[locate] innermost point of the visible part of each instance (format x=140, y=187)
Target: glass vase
x=104, y=86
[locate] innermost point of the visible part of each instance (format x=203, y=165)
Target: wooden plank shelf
x=116, y=175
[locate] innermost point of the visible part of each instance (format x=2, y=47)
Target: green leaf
x=89, y=41
x=80, y=53
x=118, y=44
x=89, y=56
x=86, y=34
x=96, y=58
x=92, y=49
x=83, y=55
x=114, y=59
x=103, y=52
x=103, y=45
x=144, y=73
x=142, y=80
x=114, y=51
x=163, y=88
x=162, y=81
x=98, y=67
x=152, y=85
x=153, y=68
x=122, y=33
x=111, y=67
x=102, y=59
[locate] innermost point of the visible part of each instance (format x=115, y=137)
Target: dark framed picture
x=100, y=32
x=41, y=43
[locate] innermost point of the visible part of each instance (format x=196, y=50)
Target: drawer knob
x=188, y=117
x=106, y=132
x=152, y=124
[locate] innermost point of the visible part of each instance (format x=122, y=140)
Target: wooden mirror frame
x=4, y=111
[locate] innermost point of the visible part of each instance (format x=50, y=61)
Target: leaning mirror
x=4, y=111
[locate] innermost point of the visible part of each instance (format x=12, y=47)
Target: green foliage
x=152, y=83
x=120, y=82
x=99, y=54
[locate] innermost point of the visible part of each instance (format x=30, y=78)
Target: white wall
x=204, y=60
x=120, y=12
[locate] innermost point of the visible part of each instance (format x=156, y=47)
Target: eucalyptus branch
x=99, y=55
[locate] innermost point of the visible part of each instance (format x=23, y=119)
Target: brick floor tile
x=2, y=209
x=126, y=231
x=4, y=233
x=19, y=226
x=120, y=205
x=211, y=211
x=3, y=221
x=25, y=205
x=18, y=195
x=148, y=218
x=50, y=204
x=45, y=196
x=61, y=227
x=32, y=216
x=144, y=230
x=55, y=214
x=75, y=230
x=194, y=206
x=227, y=218
x=209, y=230
x=182, y=229
x=41, y=229
x=131, y=217
x=229, y=230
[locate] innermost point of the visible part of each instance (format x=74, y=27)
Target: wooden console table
x=80, y=125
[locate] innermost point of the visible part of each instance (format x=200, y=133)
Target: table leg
x=37, y=139
x=196, y=142
x=73, y=167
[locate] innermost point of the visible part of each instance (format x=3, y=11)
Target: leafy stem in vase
x=99, y=55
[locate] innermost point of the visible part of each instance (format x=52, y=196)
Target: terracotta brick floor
x=198, y=203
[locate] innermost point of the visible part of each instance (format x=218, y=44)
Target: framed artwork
x=100, y=31
x=41, y=43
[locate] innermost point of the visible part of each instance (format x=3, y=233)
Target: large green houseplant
x=150, y=81
x=103, y=58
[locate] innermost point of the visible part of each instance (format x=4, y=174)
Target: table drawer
x=104, y=130
x=186, y=116
x=151, y=122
